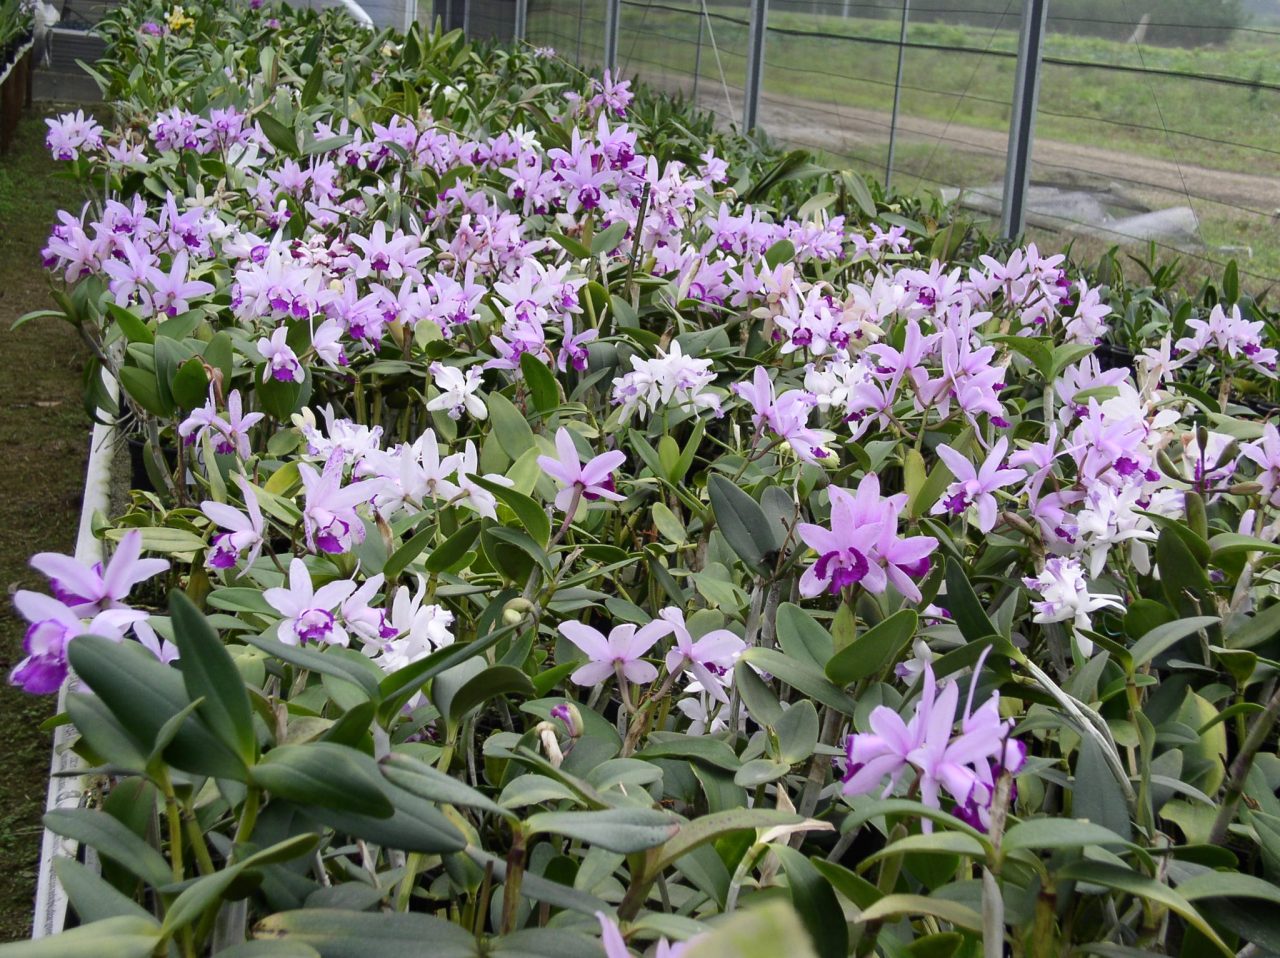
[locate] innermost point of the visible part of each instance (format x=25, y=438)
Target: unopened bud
x=515, y=610
x=568, y=714
x=550, y=744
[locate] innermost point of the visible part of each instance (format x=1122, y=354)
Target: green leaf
x=492, y=682
x=449, y=552
x=426, y=782
x=317, y=662
x=111, y=838
x=282, y=399
x=162, y=539
x=1232, y=543
x=874, y=650
x=849, y=884
x=608, y=239
x=894, y=906
x=270, y=949
x=743, y=523
x=708, y=828
x=1163, y=636
x=1226, y=884
x=816, y=903
x=143, y=695
x=962, y=602
x=800, y=676
x=621, y=830
x=510, y=426
x=695, y=748
x=1249, y=631
x=765, y=931
x=123, y=937
x=1183, y=579
x=1130, y=882
x=801, y=636
x=1058, y=833
x=797, y=731
x=360, y=934
x=1095, y=793
x=134, y=328
x=531, y=516
x=410, y=550
x=208, y=671
x=92, y=896
x=932, y=843
x=282, y=137
x=190, y=384
x=321, y=773
x=143, y=387
x=541, y=382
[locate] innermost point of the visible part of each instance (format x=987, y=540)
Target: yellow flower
x=178, y=20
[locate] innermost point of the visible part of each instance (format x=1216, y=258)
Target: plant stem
x=1240, y=768
x=515, y=875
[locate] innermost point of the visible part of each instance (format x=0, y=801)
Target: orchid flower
x=53, y=626
x=87, y=590
x=591, y=481
x=330, y=518
x=974, y=486
x=308, y=612
x=244, y=532
x=457, y=391
x=620, y=652
x=709, y=658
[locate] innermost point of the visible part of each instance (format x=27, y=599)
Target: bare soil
x=44, y=434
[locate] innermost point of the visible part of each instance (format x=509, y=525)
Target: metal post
x=466, y=18
x=897, y=96
x=582, y=12
x=612, y=14
x=521, y=27
x=755, y=63
x=1022, y=124
x=697, y=59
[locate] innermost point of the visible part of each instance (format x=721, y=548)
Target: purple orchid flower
x=171, y=291
x=244, y=532
x=88, y=590
x=974, y=486
x=308, y=612
x=53, y=626
x=621, y=651
x=591, y=480
x=281, y=359
x=709, y=658
x=330, y=518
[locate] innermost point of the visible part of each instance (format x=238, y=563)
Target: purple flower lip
x=314, y=625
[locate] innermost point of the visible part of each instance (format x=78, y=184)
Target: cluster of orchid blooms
x=889, y=347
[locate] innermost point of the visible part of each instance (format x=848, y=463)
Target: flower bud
x=515, y=611
x=568, y=714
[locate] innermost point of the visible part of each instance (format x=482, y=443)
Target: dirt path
x=43, y=446
x=846, y=129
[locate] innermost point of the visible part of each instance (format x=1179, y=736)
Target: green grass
x=43, y=443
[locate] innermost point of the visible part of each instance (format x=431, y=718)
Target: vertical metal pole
x=755, y=64
x=582, y=12
x=1022, y=124
x=521, y=28
x=612, y=14
x=697, y=59
x=466, y=18
x=897, y=96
